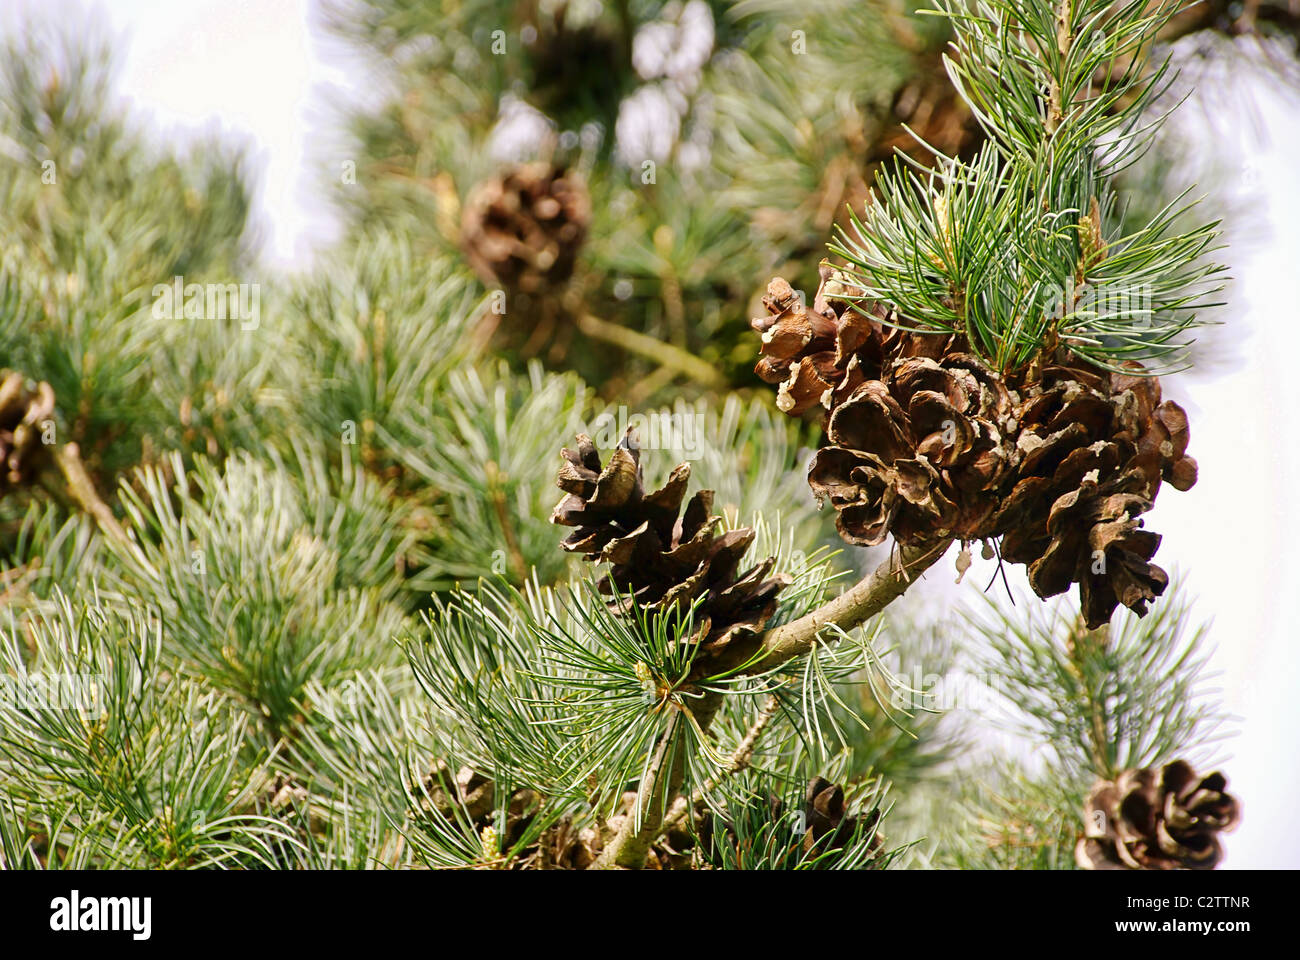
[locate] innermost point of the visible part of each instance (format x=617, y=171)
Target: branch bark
x=82, y=490
x=666, y=354
x=854, y=606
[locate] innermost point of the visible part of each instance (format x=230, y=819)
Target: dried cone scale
x=926, y=442
x=522, y=230
x=827, y=824
x=1157, y=820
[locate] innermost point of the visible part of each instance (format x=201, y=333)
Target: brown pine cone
x=1065, y=432
x=664, y=561
x=443, y=790
x=23, y=410
x=1149, y=821
x=925, y=441
x=826, y=825
x=280, y=795
x=1097, y=542
x=1160, y=430
x=522, y=230
x=774, y=838
x=568, y=847
x=1094, y=448
x=470, y=794
x=806, y=349
x=830, y=346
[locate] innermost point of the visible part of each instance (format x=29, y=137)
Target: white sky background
x=258, y=70
x=251, y=70
x=1234, y=533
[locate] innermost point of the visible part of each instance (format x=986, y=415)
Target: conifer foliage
x=285, y=590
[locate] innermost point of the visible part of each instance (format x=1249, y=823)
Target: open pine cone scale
x=24, y=408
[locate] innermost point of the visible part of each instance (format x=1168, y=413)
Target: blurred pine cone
x=579, y=73
x=522, y=230
x=284, y=797
x=664, y=560
x=925, y=441
x=929, y=111
x=443, y=790
x=568, y=847
x=1157, y=821
x=24, y=407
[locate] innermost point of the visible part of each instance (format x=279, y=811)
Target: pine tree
x=309, y=576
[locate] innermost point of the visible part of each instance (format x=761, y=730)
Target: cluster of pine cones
x=1157, y=820
x=925, y=441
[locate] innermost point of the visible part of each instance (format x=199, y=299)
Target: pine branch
x=82, y=489
x=1081, y=647
x=739, y=761
x=497, y=496
x=666, y=354
x=1057, y=133
x=1104, y=701
x=850, y=609
x=628, y=848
